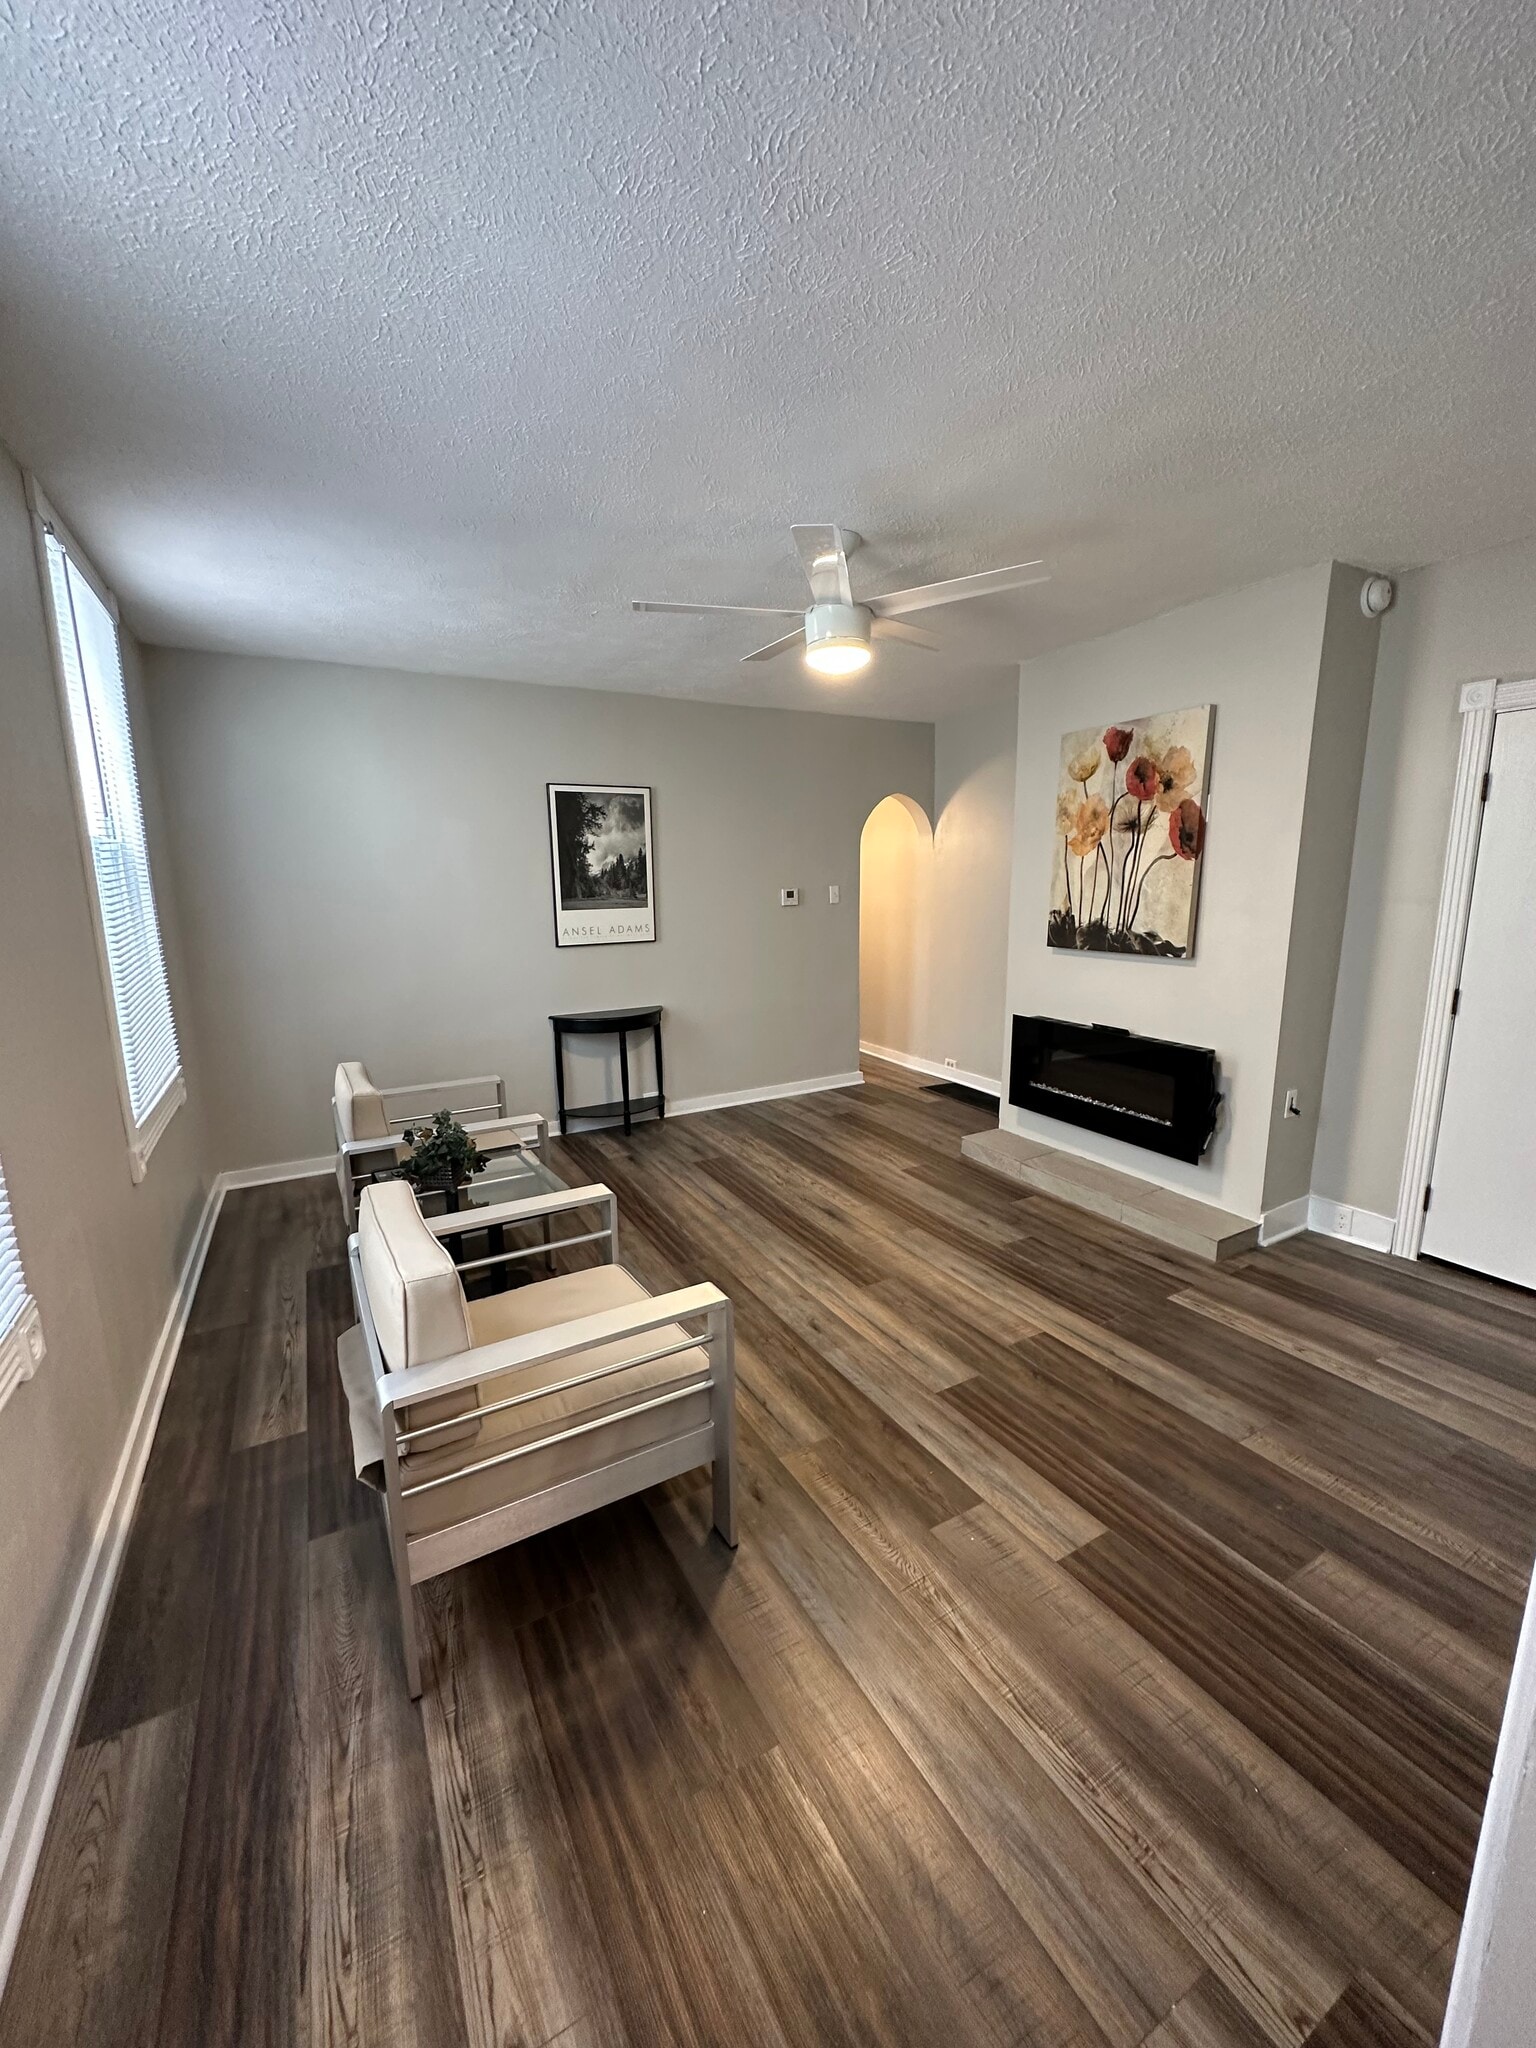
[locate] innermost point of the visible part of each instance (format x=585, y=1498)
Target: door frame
x=1480, y=705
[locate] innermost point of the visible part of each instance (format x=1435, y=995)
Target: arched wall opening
x=933, y=929
x=895, y=924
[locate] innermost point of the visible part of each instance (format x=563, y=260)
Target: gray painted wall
x=101, y=1254
x=363, y=862
x=1339, y=721
x=1453, y=623
x=1256, y=655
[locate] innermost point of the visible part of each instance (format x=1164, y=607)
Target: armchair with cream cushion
x=486, y=1421
x=369, y=1121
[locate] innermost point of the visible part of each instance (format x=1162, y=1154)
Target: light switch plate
x=834, y=894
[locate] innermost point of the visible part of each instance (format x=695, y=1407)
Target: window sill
x=21, y=1350
x=150, y=1132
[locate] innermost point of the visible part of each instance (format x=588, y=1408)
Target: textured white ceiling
x=429, y=333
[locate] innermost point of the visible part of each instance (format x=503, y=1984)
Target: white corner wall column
x=1481, y=703
x=1493, y=1988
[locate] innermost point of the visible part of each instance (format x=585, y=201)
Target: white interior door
x=1482, y=1210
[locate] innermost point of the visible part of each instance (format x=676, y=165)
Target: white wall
x=1453, y=623
x=1257, y=656
x=363, y=863
x=102, y=1255
x=935, y=928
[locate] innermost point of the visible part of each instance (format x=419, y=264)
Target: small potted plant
x=444, y=1156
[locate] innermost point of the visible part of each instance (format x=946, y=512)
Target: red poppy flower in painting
x=1186, y=829
x=1144, y=778
x=1117, y=742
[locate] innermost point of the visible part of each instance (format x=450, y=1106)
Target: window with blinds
x=13, y=1284
x=91, y=672
x=21, y=1336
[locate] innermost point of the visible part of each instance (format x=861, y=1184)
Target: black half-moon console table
x=609, y=1024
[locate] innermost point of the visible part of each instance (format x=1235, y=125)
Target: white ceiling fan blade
x=912, y=636
x=755, y=611
x=922, y=595
x=795, y=639
x=824, y=557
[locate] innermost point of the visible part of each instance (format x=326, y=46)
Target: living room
x=904, y=644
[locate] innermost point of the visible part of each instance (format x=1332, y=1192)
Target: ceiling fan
x=835, y=630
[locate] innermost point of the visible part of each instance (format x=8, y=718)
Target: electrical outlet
x=949, y=1063
x=1292, y=1105
x=834, y=894
x=788, y=898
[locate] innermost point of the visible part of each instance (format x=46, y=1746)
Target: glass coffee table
x=481, y=1253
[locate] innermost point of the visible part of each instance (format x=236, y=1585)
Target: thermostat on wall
x=788, y=898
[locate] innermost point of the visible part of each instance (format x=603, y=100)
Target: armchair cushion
x=500, y=1133
x=544, y=1305
x=417, y=1300
x=359, y=1105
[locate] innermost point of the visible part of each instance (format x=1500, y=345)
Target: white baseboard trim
x=987, y=1083
x=685, y=1105
x=1328, y=1219
x=53, y=1725
x=737, y=1098
x=1358, y=1226
x=1288, y=1220
x=700, y=1105
x=282, y=1169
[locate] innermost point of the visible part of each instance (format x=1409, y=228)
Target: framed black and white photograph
x=600, y=854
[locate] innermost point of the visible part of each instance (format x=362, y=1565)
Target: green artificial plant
x=443, y=1155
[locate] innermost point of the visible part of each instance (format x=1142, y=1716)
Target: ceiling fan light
x=838, y=658
x=837, y=639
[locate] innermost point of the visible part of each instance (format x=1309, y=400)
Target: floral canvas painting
x=1130, y=836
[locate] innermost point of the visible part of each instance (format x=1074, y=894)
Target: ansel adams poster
x=600, y=849
x=1130, y=833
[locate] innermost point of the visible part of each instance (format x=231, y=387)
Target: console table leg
x=624, y=1077
x=661, y=1087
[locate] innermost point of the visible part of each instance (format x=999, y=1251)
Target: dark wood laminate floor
x=1114, y=1653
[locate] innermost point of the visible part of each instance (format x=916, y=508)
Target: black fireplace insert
x=1148, y=1091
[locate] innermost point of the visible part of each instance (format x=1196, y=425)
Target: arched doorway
x=895, y=914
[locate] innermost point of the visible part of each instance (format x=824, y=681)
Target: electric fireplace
x=1148, y=1091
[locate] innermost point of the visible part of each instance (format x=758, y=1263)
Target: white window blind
x=21, y=1335
x=92, y=675
x=13, y=1284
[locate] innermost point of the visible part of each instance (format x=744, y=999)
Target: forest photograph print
x=1130, y=832
x=600, y=850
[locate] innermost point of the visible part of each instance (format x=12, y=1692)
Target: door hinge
x=1427, y=1193
x=1487, y=784
x=1455, y=1000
